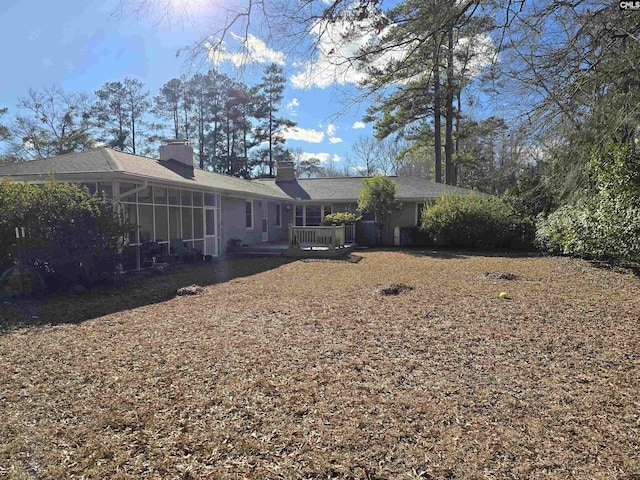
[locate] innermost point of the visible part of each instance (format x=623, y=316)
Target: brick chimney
x=285, y=172
x=180, y=152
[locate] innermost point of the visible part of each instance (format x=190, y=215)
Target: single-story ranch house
x=171, y=199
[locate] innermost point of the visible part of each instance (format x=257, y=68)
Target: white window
x=278, y=215
x=249, y=214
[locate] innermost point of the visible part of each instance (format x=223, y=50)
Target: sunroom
x=163, y=215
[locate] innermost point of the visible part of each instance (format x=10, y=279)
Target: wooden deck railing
x=330, y=237
x=350, y=233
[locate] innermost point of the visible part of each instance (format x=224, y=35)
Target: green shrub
x=604, y=224
x=341, y=218
x=71, y=236
x=599, y=227
x=476, y=220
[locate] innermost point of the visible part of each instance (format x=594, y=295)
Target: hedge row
x=476, y=221
x=70, y=236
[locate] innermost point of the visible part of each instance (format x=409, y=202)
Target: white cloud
x=303, y=134
x=322, y=156
x=252, y=50
x=334, y=62
x=331, y=65
x=358, y=125
x=292, y=106
x=480, y=50
x=331, y=133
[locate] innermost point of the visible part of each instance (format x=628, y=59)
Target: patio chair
x=150, y=253
x=185, y=251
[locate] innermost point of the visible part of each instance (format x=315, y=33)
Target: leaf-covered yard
x=306, y=369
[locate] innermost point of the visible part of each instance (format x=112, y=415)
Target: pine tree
x=271, y=127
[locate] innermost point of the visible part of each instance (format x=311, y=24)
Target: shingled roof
x=125, y=165
x=346, y=189
x=99, y=162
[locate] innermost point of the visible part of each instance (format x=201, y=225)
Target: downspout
x=145, y=184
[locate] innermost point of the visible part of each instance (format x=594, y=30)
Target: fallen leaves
x=295, y=370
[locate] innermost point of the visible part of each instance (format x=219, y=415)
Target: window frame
x=246, y=214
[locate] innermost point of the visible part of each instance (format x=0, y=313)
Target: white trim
x=278, y=215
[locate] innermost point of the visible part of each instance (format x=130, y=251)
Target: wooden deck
x=305, y=242
x=277, y=249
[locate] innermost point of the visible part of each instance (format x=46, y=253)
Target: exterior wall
x=345, y=207
x=279, y=233
x=406, y=217
x=234, y=221
x=288, y=210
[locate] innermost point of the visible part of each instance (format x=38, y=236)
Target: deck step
x=255, y=253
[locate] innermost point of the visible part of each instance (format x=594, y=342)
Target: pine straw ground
x=304, y=369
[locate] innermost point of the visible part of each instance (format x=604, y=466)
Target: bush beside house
x=341, y=218
x=475, y=221
x=70, y=236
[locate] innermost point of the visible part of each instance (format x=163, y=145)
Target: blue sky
x=79, y=45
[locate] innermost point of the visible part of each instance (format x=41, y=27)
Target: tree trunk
x=133, y=134
x=270, y=134
x=449, y=114
x=176, y=121
x=437, y=134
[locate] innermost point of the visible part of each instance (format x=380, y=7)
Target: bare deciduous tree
x=51, y=122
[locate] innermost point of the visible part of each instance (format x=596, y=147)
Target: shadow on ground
x=464, y=253
x=132, y=290
x=617, y=267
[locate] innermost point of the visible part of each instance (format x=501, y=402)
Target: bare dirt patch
x=294, y=370
x=499, y=276
x=190, y=290
x=393, y=289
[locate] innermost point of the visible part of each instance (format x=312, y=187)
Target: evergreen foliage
x=604, y=225
x=70, y=235
x=341, y=218
x=476, y=221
